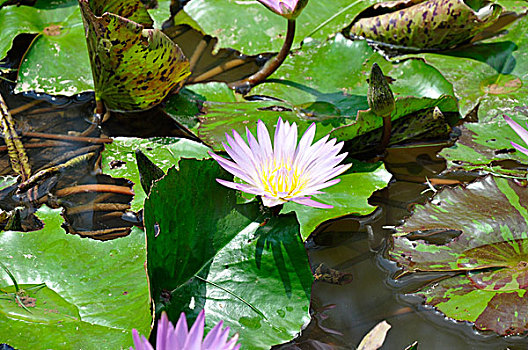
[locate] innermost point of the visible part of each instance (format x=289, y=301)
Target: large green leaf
x=94, y=292
x=119, y=159
x=196, y=232
x=269, y=275
x=254, y=29
x=490, y=74
x=485, y=146
x=491, y=252
x=57, y=60
x=349, y=196
x=133, y=68
x=307, y=95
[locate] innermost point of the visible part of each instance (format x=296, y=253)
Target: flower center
x=281, y=179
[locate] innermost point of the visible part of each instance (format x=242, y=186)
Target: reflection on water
x=343, y=314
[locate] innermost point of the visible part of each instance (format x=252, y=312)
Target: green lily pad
x=224, y=257
x=490, y=74
x=486, y=146
x=256, y=29
x=119, y=159
x=57, y=60
x=92, y=294
x=160, y=13
x=307, y=95
x=118, y=47
x=349, y=196
x=433, y=24
x=491, y=252
x=512, y=5
x=269, y=273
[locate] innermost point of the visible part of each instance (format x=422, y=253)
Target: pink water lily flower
x=289, y=9
x=286, y=171
x=181, y=338
x=522, y=132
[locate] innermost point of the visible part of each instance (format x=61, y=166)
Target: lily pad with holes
x=119, y=159
x=486, y=147
x=225, y=257
x=56, y=61
x=117, y=46
x=349, y=196
x=491, y=253
x=306, y=95
x=490, y=74
x=81, y=293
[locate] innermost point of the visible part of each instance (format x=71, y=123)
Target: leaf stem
x=385, y=138
x=243, y=86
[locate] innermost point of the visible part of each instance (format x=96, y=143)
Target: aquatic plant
x=288, y=9
x=181, y=338
x=381, y=101
x=522, y=132
x=286, y=171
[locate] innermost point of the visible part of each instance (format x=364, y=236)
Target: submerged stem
x=269, y=68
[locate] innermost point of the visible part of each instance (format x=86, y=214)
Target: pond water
x=343, y=314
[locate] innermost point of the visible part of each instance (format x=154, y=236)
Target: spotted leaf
x=490, y=254
x=133, y=68
x=433, y=24
x=134, y=10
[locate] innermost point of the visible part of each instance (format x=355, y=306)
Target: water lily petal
x=233, y=168
x=522, y=132
x=211, y=339
x=520, y=148
x=285, y=170
x=271, y=202
x=140, y=343
x=195, y=336
x=181, y=330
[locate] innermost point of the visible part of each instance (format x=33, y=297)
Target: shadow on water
x=343, y=314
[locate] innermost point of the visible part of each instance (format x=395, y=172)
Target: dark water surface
x=343, y=314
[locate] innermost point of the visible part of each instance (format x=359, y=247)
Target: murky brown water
x=343, y=314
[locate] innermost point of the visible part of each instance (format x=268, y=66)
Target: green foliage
x=490, y=74
x=117, y=46
x=206, y=251
x=256, y=30
x=57, y=60
x=336, y=105
x=485, y=146
x=119, y=158
x=91, y=294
